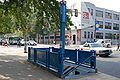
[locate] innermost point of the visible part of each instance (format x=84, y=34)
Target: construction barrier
x=49, y=58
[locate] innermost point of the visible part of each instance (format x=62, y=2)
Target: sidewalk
x=13, y=66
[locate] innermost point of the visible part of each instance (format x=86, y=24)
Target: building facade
x=106, y=24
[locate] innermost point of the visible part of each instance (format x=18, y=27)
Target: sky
x=108, y=4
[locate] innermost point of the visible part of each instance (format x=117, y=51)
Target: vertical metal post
x=47, y=58
x=62, y=34
x=35, y=55
x=29, y=53
x=93, y=59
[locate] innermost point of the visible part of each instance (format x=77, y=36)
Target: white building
x=106, y=21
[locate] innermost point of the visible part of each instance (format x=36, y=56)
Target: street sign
x=97, y=29
x=97, y=25
x=97, y=22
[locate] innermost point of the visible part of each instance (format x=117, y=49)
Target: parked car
x=4, y=41
x=32, y=42
x=13, y=40
x=104, y=42
x=100, y=50
x=22, y=42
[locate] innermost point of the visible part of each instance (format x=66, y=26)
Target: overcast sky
x=108, y=4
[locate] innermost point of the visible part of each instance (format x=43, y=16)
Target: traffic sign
x=97, y=25
x=97, y=29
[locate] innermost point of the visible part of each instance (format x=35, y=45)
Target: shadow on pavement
x=14, y=67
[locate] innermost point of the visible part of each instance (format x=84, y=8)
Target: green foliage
x=31, y=16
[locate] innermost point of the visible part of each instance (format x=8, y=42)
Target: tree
x=31, y=16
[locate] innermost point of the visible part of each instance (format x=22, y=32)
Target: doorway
x=74, y=39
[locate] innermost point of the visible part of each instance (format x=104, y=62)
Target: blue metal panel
x=35, y=55
x=47, y=59
x=32, y=54
x=84, y=56
x=87, y=58
x=46, y=49
x=55, y=49
x=54, y=60
x=41, y=56
x=93, y=59
x=70, y=55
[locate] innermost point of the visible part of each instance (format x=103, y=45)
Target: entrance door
x=74, y=39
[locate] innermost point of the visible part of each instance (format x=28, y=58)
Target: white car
x=32, y=42
x=22, y=42
x=101, y=51
x=104, y=42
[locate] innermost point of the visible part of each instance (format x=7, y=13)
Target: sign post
x=62, y=34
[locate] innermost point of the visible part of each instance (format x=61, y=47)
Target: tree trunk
x=48, y=37
x=25, y=44
x=38, y=38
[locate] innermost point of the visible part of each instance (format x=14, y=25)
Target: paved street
x=13, y=66
x=110, y=65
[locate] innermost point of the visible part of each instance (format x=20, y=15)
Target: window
x=99, y=13
x=115, y=16
x=100, y=24
x=108, y=25
x=91, y=11
x=88, y=35
x=99, y=35
x=108, y=15
x=115, y=26
x=76, y=12
x=117, y=36
x=108, y=35
x=84, y=34
x=91, y=35
x=114, y=36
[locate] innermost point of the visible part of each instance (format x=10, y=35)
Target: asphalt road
x=13, y=66
x=110, y=65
